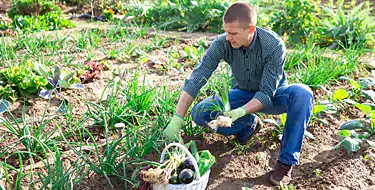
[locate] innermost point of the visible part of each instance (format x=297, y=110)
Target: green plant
x=4, y=106
x=58, y=80
x=280, y=127
x=295, y=19
x=23, y=79
x=286, y=187
x=108, y=14
x=200, y=15
x=347, y=27
x=122, y=104
x=31, y=135
x=362, y=87
x=307, y=65
x=47, y=22
x=355, y=132
x=317, y=172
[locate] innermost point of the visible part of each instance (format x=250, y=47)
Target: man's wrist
x=243, y=110
x=176, y=115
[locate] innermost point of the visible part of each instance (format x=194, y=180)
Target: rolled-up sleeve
x=205, y=68
x=271, y=76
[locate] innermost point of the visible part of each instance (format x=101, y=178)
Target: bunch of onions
x=222, y=93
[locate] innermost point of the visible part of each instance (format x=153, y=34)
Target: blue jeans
x=296, y=100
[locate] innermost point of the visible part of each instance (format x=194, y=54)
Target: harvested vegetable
x=186, y=176
x=178, y=168
x=221, y=121
x=206, y=160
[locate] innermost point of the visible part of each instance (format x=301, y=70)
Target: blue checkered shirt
x=258, y=68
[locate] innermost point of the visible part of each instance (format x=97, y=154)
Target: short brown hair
x=242, y=12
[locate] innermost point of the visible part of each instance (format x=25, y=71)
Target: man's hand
x=236, y=113
x=172, y=131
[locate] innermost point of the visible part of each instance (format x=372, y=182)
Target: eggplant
x=186, y=176
x=174, y=178
x=188, y=164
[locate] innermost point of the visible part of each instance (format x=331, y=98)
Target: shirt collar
x=252, y=45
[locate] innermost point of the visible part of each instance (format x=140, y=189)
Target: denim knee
x=198, y=116
x=302, y=92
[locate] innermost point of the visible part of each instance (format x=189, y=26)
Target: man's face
x=237, y=35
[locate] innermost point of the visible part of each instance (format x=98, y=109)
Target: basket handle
x=187, y=152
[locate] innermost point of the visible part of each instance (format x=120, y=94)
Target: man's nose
x=228, y=37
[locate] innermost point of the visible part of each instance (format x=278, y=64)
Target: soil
x=321, y=167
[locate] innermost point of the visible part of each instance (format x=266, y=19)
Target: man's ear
x=252, y=29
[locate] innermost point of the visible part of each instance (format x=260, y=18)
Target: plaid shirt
x=258, y=68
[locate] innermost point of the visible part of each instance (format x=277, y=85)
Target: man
x=256, y=57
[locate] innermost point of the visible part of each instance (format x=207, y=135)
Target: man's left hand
x=235, y=113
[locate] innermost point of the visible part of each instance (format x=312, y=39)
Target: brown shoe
x=282, y=173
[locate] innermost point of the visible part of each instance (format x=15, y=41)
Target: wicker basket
x=200, y=183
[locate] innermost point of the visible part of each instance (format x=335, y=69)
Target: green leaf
x=63, y=108
x=69, y=77
x=351, y=145
x=331, y=109
x=369, y=94
x=41, y=69
x=56, y=73
x=283, y=119
x=371, y=143
x=64, y=84
x=350, y=101
x=318, y=108
x=367, y=82
x=365, y=108
x=340, y=94
x=4, y=106
x=355, y=84
x=344, y=133
x=77, y=86
x=325, y=122
x=369, y=104
x=352, y=124
x=200, y=50
x=309, y=135
x=373, y=117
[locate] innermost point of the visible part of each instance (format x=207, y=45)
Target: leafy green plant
x=122, y=104
x=4, y=106
x=296, y=19
x=30, y=134
x=280, y=127
x=108, y=14
x=200, y=15
x=23, y=79
x=58, y=80
x=356, y=132
x=347, y=27
x=32, y=8
x=362, y=87
x=307, y=65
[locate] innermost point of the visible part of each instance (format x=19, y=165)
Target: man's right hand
x=172, y=131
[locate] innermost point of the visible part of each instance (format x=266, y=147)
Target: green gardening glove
x=235, y=113
x=172, y=131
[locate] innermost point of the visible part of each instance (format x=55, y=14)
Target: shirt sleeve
x=205, y=68
x=272, y=75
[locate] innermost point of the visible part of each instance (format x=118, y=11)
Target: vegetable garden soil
x=320, y=166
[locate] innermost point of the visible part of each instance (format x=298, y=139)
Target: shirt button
x=247, y=69
x=246, y=57
x=248, y=80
